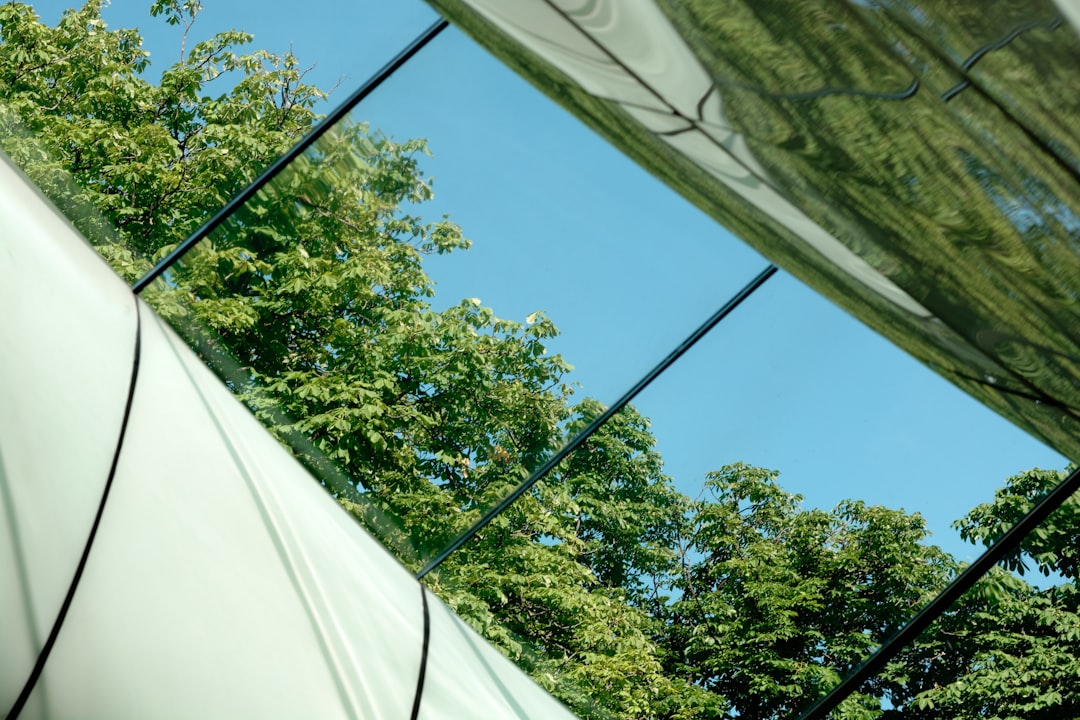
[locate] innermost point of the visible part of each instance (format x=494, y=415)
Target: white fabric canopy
x=222, y=580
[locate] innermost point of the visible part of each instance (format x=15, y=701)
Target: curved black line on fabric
x=807, y=95
x=955, y=90
x=680, y=131
x=904, y=94
x=997, y=45
x=423, y=656
x=369, y=86
x=704, y=99
x=1005, y=545
x=46, y=649
x=1043, y=399
x=1052, y=154
x=1008, y=38
x=852, y=92
x=913, y=88
x=612, y=56
x=702, y=330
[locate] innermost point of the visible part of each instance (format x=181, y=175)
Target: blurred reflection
x=964, y=196
x=316, y=303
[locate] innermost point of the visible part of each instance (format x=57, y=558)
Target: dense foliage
x=616, y=592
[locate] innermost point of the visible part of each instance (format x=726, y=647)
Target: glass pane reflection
x=318, y=298
x=137, y=134
x=315, y=303
x=1008, y=647
x=789, y=579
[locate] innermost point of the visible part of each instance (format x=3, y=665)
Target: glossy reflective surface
x=905, y=164
x=316, y=295
x=938, y=146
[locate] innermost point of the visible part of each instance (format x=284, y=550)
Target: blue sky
x=564, y=223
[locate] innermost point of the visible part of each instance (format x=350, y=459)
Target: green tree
x=149, y=159
x=778, y=602
x=571, y=571
x=1008, y=649
x=313, y=303
x=1053, y=546
x=622, y=596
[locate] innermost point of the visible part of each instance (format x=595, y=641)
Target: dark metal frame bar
x=963, y=582
x=1005, y=545
x=595, y=425
x=282, y=162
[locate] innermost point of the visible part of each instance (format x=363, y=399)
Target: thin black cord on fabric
x=271, y=172
x=1006, y=544
x=997, y=45
x=592, y=427
x=423, y=656
x=999, y=388
x=43, y=656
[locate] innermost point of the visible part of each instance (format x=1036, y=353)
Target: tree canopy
x=619, y=594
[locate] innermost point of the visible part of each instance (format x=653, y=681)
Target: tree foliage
x=1008, y=649
x=616, y=592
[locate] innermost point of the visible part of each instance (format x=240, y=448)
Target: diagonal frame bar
x=963, y=582
x=595, y=425
x=369, y=86
x=1008, y=542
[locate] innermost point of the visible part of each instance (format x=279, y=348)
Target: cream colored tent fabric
x=222, y=581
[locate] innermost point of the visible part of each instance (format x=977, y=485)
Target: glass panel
x=822, y=463
x=431, y=404
x=1008, y=647
x=852, y=129
x=338, y=45
x=137, y=149
x=934, y=141
x=559, y=221
x=317, y=286
x=371, y=341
